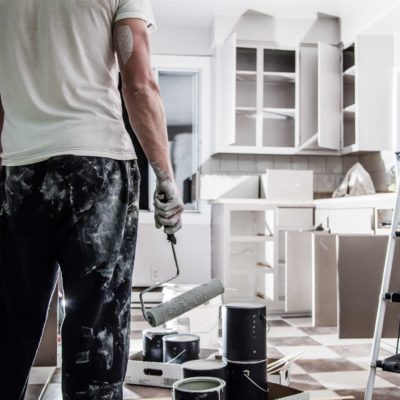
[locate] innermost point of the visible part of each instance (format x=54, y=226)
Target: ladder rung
x=394, y=297
x=391, y=364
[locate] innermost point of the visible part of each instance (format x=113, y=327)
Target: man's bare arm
x=147, y=116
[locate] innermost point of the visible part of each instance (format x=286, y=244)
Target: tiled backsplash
x=328, y=171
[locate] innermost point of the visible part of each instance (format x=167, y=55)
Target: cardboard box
x=276, y=392
x=146, y=373
x=279, y=392
x=282, y=377
x=156, y=374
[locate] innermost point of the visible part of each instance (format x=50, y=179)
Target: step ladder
x=391, y=364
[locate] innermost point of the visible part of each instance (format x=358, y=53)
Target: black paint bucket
x=178, y=349
x=244, y=327
x=211, y=368
x=196, y=388
x=247, y=380
x=153, y=344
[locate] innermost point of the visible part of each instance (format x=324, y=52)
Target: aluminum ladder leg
x=383, y=298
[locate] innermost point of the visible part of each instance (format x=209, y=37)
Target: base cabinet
x=248, y=251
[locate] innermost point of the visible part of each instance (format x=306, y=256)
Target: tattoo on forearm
x=124, y=43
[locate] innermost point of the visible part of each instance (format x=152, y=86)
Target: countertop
x=384, y=200
x=264, y=202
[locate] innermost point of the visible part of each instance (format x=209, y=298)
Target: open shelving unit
x=279, y=98
x=249, y=238
x=265, y=98
x=349, y=97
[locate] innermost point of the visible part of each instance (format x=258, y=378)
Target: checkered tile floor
x=328, y=367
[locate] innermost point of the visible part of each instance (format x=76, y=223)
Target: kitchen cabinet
x=316, y=99
x=362, y=215
x=255, y=98
x=367, y=94
x=248, y=252
x=319, y=100
x=311, y=270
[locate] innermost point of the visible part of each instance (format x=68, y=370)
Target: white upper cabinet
x=367, y=94
x=314, y=99
x=319, y=95
x=255, y=98
x=329, y=96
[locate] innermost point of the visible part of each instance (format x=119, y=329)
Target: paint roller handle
x=170, y=236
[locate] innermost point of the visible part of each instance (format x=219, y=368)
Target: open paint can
x=204, y=388
x=247, y=380
x=211, y=368
x=153, y=344
x=180, y=348
x=244, y=327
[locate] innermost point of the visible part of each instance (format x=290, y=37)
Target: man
x=69, y=183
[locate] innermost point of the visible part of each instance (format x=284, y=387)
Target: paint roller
x=171, y=309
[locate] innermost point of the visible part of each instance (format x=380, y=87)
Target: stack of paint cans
x=245, y=350
x=153, y=343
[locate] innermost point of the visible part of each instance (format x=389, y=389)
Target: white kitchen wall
x=357, y=15
x=381, y=166
x=181, y=40
x=328, y=171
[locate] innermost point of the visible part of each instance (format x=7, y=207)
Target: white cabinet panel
x=374, y=85
x=307, y=92
x=329, y=96
x=298, y=272
x=295, y=218
x=226, y=93
x=324, y=279
x=352, y=221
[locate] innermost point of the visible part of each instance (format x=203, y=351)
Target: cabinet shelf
x=309, y=144
x=278, y=113
x=248, y=76
x=350, y=109
x=268, y=269
x=350, y=71
x=280, y=76
x=258, y=238
x=249, y=112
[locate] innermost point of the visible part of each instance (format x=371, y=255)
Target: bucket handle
x=246, y=374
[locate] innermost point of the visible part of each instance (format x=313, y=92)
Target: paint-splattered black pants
x=79, y=214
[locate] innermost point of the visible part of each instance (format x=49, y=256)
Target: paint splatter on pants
x=79, y=214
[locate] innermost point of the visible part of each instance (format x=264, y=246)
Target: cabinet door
x=352, y=221
x=374, y=86
x=226, y=94
x=298, y=272
x=329, y=96
x=307, y=93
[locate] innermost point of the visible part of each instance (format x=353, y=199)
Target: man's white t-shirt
x=59, y=78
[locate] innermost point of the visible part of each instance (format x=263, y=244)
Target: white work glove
x=168, y=208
